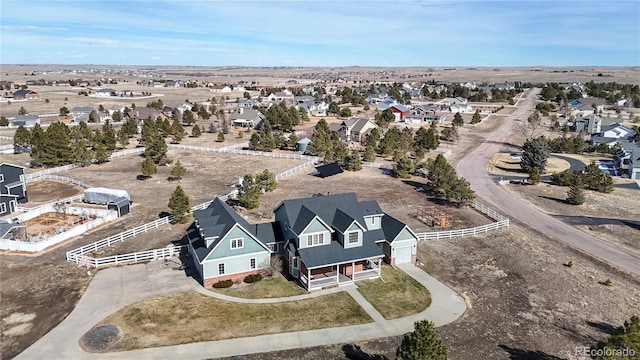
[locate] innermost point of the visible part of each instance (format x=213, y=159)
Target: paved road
x=473, y=168
x=114, y=288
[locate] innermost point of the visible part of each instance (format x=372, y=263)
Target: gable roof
x=392, y=227
x=334, y=253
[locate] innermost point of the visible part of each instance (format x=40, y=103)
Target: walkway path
x=113, y=288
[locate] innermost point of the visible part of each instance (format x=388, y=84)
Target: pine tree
x=21, y=139
x=179, y=205
x=266, y=181
x=422, y=344
x=225, y=127
x=369, y=152
x=476, y=117
x=109, y=138
x=534, y=176
x=148, y=167
x=623, y=338
x=56, y=147
x=535, y=154
x=212, y=128
x=82, y=154
x=575, y=195
x=457, y=120
x=123, y=137
x=402, y=167
x=220, y=137
x=196, y=132
x=249, y=192
x=353, y=162
x=178, y=171
x=177, y=131
x=37, y=144
x=100, y=153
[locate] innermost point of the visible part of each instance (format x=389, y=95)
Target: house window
x=252, y=262
x=353, y=237
x=373, y=220
x=237, y=243
x=295, y=262
x=3, y=207
x=273, y=247
x=221, y=269
x=315, y=239
x=1, y=178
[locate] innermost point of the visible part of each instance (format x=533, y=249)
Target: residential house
x=220, y=89
x=460, y=108
x=248, y=118
x=334, y=239
x=81, y=113
x=140, y=114
x=596, y=104
x=156, y=84
x=504, y=86
x=326, y=240
x=399, y=111
x=353, y=129
x=313, y=107
x=612, y=134
x=425, y=114
x=286, y=94
x=224, y=246
x=106, y=92
x=26, y=94
x=590, y=124
x=247, y=103
x=26, y=120
x=13, y=188
x=622, y=157
x=455, y=101
x=634, y=164
x=173, y=83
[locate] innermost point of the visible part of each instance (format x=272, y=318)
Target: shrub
x=223, y=284
x=252, y=278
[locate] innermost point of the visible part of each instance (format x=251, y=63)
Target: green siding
x=236, y=264
x=315, y=226
x=405, y=235
x=353, y=227
x=223, y=249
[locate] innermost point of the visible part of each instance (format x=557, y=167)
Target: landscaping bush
x=252, y=278
x=223, y=284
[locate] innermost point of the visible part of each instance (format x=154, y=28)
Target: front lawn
x=398, y=296
x=192, y=317
x=266, y=288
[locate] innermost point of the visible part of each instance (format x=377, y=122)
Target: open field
x=396, y=295
x=50, y=190
x=191, y=317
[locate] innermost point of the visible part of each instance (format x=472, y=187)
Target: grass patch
x=399, y=296
x=192, y=317
x=265, y=288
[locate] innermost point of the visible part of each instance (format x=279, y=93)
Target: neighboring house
x=26, y=120
x=173, y=83
x=399, y=111
x=81, y=113
x=283, y=95
x=634, y=164
x=142, y=113
x=156, y=84
x=460, y=108
x=13, y=188
x=612, y=134
x=425, y=114
x=247, y=103
x=455, y=101
x=583, y=104
x=224, y=246
x=353, y=129
x=590, y=124
x=106, y=92
x=326, y=240
x=313, y=107
x=334, y=239
x=26, y=94
x=247, y=118
x=622, y=157
x=504, y=86
x=220, y=88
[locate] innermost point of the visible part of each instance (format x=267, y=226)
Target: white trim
x=232, y=257
x=275, y=247
x=11, y=187
x=306, y=240
x=400, y=232
x=347, y=262
x=322, y=222
x=239, y=243
x=358, y=238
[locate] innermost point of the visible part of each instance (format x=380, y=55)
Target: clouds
x=326, y=33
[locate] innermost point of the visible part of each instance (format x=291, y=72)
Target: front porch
x=340, y=274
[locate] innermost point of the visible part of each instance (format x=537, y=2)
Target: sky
x=321, y=33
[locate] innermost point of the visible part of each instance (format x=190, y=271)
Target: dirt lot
x=49, y=190
x=504, y=164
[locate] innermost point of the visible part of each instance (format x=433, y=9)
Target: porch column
x=337, y=274
x=353, y=270
x=380, y=267
x=308, y=279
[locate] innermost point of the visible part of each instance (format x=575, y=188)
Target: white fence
x=234, y=150
x=377, y=165
x=133, y=151
x=54, y=170
x=294, y=170
x=132, y=258
x=501, y=221
x=49, y=207
x=59, y=178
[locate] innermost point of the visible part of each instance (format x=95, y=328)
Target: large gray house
x=325, y=240
x=13, y=188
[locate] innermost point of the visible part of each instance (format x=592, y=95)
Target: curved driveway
x=473, y=168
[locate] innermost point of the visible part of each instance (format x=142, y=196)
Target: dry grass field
x=504, y=164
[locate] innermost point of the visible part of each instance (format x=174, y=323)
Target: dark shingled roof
x=391, y=227
x=334, y=253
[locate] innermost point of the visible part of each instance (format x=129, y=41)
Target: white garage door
x=403, y=255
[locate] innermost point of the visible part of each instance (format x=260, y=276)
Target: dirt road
x=473, y=167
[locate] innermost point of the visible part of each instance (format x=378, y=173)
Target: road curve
x=473, y=168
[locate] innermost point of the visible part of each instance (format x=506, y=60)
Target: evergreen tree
x=266, y=181
x=422, y=344
x=595, y=179
x=187, y=117
x=177, y=131
x=21, y=139
x=123, y=137
x=37, y=144
x=131, y=127
x=82, y=154
x=534, y=154
x=433, y=139
x=249, y=192
x=304, y=115
x=56, y=147
x=178, y=171
x=623, y=338
x=100, y=153
x=353, y=162
x=476, y=117
x=149, y=132
x=220, y=137
x=402, y=167
x=369, y=152
x=457, y=120
x=117, y=116
x=22, y=111
x=575, y=195
x=321, y=142
x=460, y=191
x=148, y=167
x=534, y=176
x=179, y=206
x=109, y=138
x=225, y=127
x=94, y=117
x=196, y=132
x=212, y=128
x=292, y=141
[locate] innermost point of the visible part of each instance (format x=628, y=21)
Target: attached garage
x=403, y=255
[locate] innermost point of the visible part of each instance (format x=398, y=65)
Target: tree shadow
x=561, y=201
x=632, y=224
x=601, y=326
x=518, y=170
x=163, y=214
x=519, y=354
x=353, y=352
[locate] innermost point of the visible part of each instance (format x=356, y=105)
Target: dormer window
x=353, y=237
x=315, y=239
